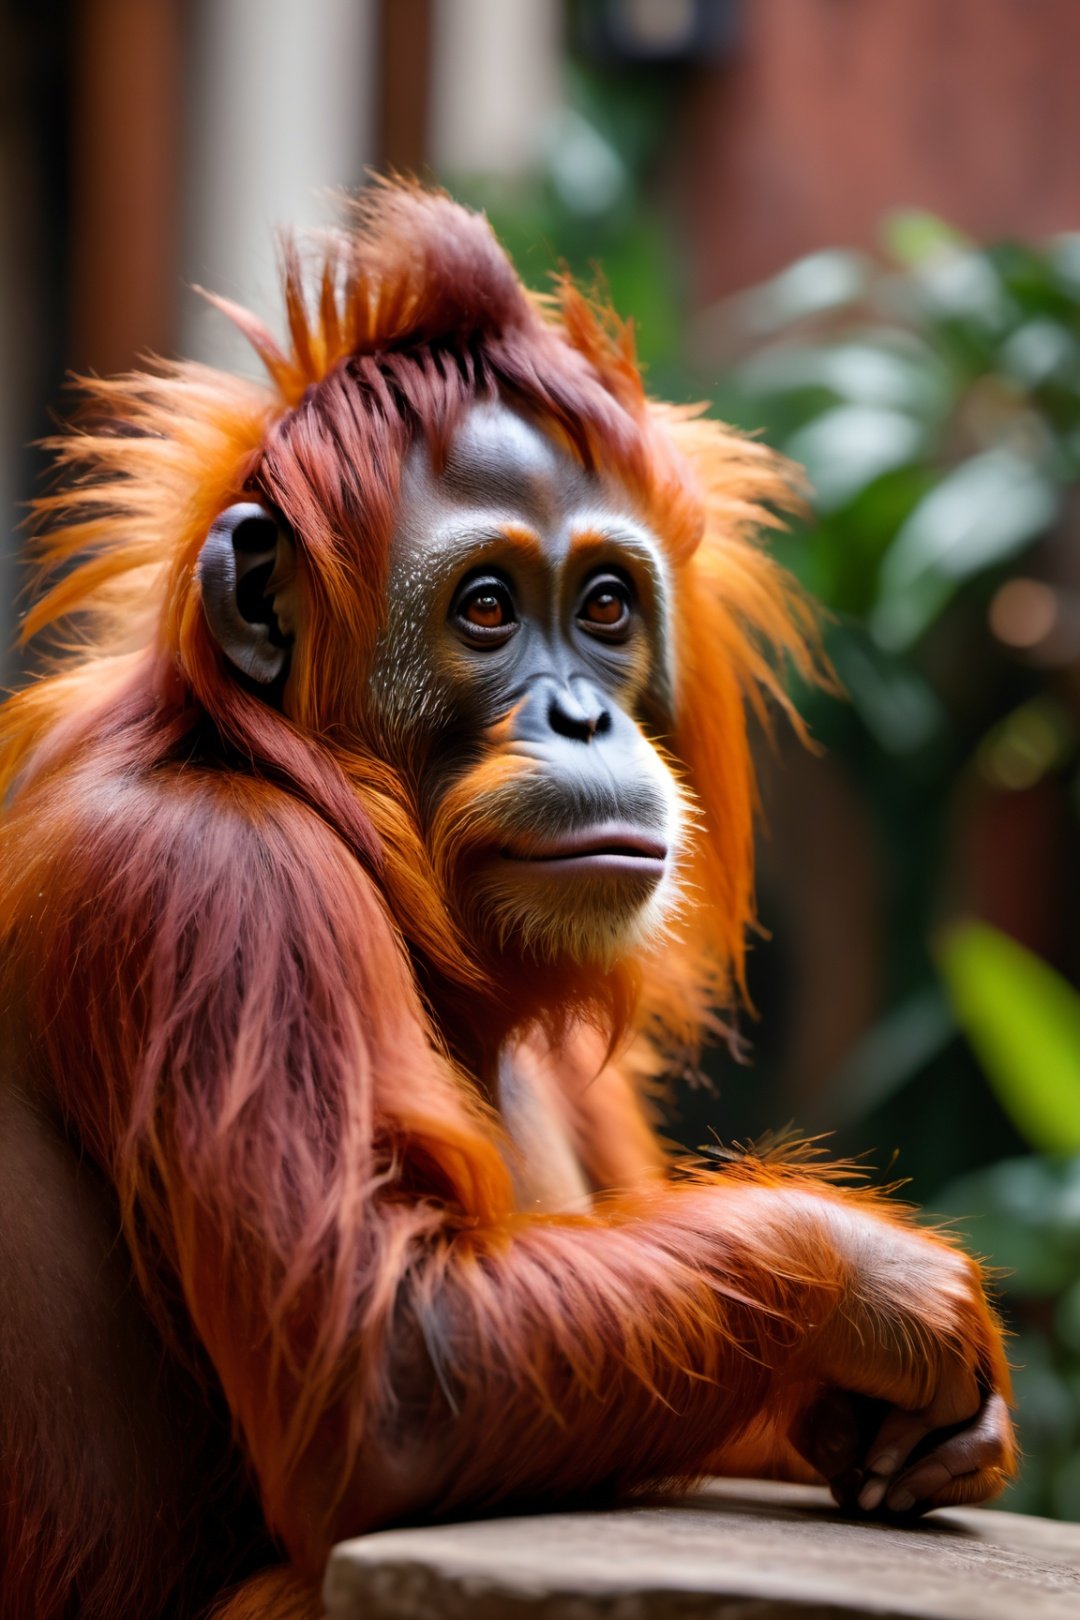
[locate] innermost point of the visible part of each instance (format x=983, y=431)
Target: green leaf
x=1024, y=1214
x=816, y=285
x=1023, y=1021
x=868, y=372
x=1040, y=351
x=979, y=515
x=895, y=1049
x=846, y=448
x=965, y=287
x=912, y=237
x=898, y=707
x=585, y=169
x=1028, y=276
x=1065, y=262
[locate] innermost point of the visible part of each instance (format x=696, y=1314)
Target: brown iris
x=605, y=609
x=485, y=612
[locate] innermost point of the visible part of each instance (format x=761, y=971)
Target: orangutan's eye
x=606, y=609
x=484, y=611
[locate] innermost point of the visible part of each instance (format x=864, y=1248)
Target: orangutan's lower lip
x=604, y=863
x=610, y=850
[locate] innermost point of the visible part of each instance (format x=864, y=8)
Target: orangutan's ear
x=247, y=569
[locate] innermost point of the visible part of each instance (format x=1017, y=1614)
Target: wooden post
x=404, y=85
x=125, y=181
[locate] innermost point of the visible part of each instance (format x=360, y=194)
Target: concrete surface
x=735, y=1550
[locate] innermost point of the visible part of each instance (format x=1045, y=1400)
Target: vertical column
x=495, y=84
x=89, y=183
x=126, y=140
x=405, y=69
x=282, y=113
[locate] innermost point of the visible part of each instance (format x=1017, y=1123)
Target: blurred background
x=853, y=226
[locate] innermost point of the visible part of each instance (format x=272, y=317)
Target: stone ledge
x=735, y=1550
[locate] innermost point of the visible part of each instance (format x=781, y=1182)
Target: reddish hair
x=232, y=955
x=396, y=325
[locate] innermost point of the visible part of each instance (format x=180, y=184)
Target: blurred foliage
x=935, y=403
x=1024, y=1021
x=934, y=400
x=1028, y=1225
x=589, y=209
x=933, y=395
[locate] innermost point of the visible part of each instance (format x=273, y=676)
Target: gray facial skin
x=527, y=628
x=503, y=474
x=506, y=572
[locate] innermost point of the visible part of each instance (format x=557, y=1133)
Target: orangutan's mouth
x=613, y=850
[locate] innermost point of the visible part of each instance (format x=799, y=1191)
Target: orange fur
x=234, y=950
